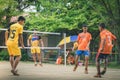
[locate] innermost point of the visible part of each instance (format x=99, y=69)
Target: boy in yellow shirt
x=12, y=36
x=34, y=41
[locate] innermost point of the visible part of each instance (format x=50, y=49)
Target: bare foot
x=14, y=73
x=97, y=76
x=75, y=67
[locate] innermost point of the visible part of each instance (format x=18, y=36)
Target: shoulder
x=80, y=34
x=89, y=34
x=18, y=25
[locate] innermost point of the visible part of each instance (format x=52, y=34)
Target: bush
x=4, y=55
x=24, y=55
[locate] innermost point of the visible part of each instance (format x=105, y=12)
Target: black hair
x=84, y=25
x=21, y=18
x=102, y=25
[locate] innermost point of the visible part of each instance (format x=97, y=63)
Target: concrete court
x=28, y=71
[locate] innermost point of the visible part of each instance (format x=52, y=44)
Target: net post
x=64, y=35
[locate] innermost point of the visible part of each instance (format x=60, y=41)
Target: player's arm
x=88, y=45
x=102, y=45
x=90, y=38
x=21, y=40
x=114, y=39
x=6, y=35
x=41, y=41
x=29, y=41
x=21, y=37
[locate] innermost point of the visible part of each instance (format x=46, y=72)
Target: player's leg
x=33, y=51
x=86, y=53
x=98, y=65
x=34, y=58
x=39, y=59
x=17, y=53
x=76, y=62
x=11, y=59
x=17, y=60
x=11, y=56
x=39, y=56
x=105, y=65
x=78, y=53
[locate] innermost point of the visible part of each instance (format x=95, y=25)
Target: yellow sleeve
x=20, y=30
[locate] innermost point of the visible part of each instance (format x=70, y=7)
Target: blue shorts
x=80, y=52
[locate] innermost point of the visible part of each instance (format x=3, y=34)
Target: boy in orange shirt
x=105, y=48
x=83, y=47
x=59, y=60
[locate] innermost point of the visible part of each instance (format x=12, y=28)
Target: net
x=49, y=52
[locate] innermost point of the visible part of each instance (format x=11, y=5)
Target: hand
x=100, y=50
x=87, y=48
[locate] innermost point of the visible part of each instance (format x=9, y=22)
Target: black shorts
x=102, y=56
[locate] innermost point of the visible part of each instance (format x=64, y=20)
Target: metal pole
x=64, y=48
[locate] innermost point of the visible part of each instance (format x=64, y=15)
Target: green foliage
x=4, y=55
x=66, y=15
x=24, y=55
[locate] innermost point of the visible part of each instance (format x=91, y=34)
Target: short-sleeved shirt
x=107, y=37
x=83, y=40
x=34, y=39
x=15, y=30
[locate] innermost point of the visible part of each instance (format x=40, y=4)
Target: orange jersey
x=106, y=41
x=83, y=40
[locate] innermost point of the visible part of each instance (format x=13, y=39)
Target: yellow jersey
x=14, y=31
x=34, y=40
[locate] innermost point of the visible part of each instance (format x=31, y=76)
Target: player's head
x=21, y=20
x=84, y=27
x=35, y=31
x=101, y=26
